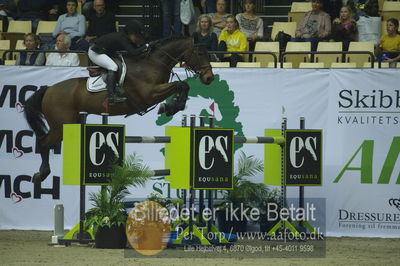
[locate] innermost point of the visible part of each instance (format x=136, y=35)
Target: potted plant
x=265, y=223
x=108, y=216
x=245, y=194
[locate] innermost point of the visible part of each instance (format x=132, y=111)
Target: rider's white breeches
x=102, y=60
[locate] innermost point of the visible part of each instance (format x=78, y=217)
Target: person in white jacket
x=63, y=43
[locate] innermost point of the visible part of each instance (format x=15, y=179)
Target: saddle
x=98, y=76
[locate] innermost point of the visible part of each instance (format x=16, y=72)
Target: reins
x=187, y=68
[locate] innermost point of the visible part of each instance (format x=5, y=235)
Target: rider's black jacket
x=116, y=41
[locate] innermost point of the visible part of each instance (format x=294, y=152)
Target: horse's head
x=197, y=59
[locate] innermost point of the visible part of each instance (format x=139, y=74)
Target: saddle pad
x=97, y=84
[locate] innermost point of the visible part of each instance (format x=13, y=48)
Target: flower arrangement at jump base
x=108, y=216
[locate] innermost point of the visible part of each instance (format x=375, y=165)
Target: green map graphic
x=219, y=92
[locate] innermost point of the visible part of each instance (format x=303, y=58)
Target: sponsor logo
x=20, y=143
x=13, y=97
x=395, y=203
x=373, y=107
x=104, y=146
x=303, y=160
x=356, y=220
x=20, y=188
x=213, y=158
x=365, y=155
x=364, y=220
x=211, y=97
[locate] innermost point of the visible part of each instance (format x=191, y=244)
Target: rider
x=107, y=46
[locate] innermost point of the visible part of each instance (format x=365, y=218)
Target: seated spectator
x=390, y=43
x=232, y=40
x=31, y=42
x=314, y=26
x=205, y=35
x=100, y=22
x=71, y=23
x=208, y=6
x=171, y=10
x=28, y=10
x=87, y=6
x=344, y=28
x=63, y=44
x=55, y=8
x=250, y=24
x=219, y=18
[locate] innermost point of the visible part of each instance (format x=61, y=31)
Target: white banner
x=358, y=111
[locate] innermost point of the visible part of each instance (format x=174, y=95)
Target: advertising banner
x=213, y=155
x=303, y=160
x=357, y=111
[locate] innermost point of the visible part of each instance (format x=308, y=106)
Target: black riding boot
x=111, y=81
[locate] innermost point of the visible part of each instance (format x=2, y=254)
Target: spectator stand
x=390, y=9
x=45, y=29
x=16, y=31
x=297, y=11
x=83, y=57
x=4, y=46
x=347, y=64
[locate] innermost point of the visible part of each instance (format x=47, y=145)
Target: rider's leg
x=111, y=82
x=106, y=62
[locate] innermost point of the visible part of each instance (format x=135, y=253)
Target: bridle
x=197, y=70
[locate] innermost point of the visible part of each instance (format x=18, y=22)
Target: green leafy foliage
x=254, y=195
x=108, y=202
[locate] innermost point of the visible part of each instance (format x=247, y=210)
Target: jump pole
x=237, y=139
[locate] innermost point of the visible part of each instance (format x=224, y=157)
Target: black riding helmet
x=135, y=27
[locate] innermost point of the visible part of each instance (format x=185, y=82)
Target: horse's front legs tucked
x=178, y=102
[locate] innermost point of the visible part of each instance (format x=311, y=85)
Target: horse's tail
x=33, y=112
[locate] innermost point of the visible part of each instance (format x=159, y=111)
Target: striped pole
x=237, y=139
x=160, y=172
x=147, y=139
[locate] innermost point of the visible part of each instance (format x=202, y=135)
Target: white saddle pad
x=97, y=84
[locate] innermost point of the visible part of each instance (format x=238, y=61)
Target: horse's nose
x=209, y=79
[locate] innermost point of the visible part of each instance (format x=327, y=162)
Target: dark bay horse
x=146, y=84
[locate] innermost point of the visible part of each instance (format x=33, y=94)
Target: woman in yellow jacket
x=232, y=40
x=390, y=43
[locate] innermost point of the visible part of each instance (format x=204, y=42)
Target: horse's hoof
x=36, y=178
x=171, y=112
x=161, y=109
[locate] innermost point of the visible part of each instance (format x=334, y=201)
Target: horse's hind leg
x=47, y=142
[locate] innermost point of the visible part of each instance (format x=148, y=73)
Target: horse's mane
x=154, y=46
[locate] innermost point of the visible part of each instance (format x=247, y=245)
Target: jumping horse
x=146, y=84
